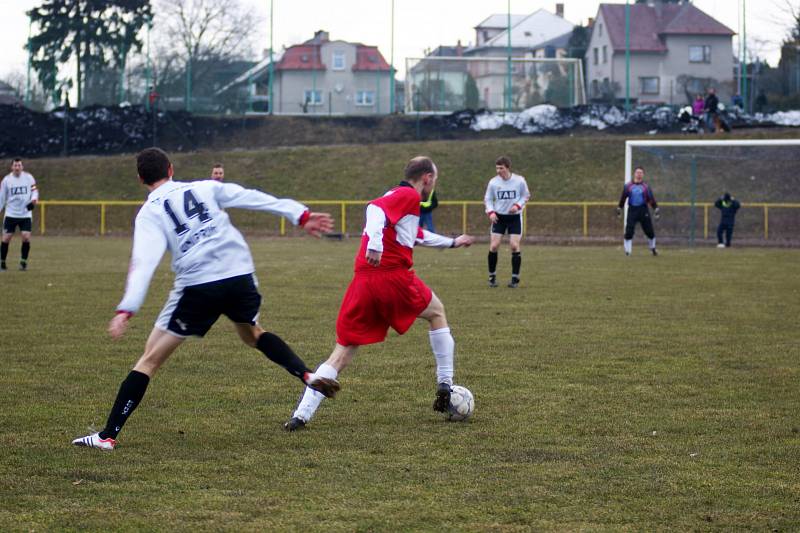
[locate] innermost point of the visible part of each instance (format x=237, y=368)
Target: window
x=595, y=88
x=700, y=54
x=338, y=61
x=595, y=55
x=365, y=98
x=649, y=85
x=605, y=54
x=313, y=97
x=599, y=30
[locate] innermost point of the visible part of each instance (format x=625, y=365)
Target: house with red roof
x=321, y=77
x=676, y=51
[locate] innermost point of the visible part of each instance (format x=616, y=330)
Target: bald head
x=418, y=167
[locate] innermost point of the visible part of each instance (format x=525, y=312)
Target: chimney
x=459, y=49
x=321, y=36
x=560, y=10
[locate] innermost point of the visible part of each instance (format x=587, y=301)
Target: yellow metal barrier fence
x=102, y=205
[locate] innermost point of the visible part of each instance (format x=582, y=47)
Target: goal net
x=438, y=84
x=687, y=177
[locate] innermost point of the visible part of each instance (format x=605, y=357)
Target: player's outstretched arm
x=118, y=325
x=318, y=223
x=463, y=241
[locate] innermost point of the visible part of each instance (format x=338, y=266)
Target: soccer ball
x=462, y=404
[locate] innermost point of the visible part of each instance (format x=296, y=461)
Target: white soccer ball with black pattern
x=462, y=404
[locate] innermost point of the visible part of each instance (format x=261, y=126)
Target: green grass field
x=612, y=393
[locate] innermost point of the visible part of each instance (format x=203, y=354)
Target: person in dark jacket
x=426, y=212
x=712, y=110
x=728, y=206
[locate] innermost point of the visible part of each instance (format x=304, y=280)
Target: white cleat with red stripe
x=94, y=441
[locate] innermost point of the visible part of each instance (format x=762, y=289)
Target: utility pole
x=391, y=68
x=744, y=62
x=28, y=80
x=271, y=67
x=508, y=80
x=627, y=56
x=149, y=85
x=123, y=57
x=188, y=97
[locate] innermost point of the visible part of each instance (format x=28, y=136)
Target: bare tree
x=194, y=36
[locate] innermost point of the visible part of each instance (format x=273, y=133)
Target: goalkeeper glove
x=657, y=213
x=619, y=211
x=30, y=206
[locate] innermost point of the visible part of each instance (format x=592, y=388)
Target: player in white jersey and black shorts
x=505, y=199
x=18, y=195
x=214, y=275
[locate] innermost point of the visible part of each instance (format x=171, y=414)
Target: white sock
x=652, y=243
x=311, y=399
x=443, y=346
x=628, y=246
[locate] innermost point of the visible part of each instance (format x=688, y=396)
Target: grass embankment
x=588, y=168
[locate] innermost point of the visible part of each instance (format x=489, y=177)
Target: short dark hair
x=15, y=160
x=218, y=165
x=152, y=165
x=639, y=167
x=418, y=167
x=503, y=161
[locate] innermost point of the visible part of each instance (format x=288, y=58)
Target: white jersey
x=16, y=192
x=502, y=195
x=188, y=218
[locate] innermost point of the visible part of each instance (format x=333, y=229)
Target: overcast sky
x=419, y=24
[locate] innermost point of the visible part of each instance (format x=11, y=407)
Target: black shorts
x=10, y=224
x=639, y=214
x=510, y=223
x=193, y=310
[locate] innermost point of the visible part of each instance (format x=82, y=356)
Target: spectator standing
x=426, y=212
x=728, y=206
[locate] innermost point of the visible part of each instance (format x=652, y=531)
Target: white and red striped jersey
x=392, y=228
x=188, y=219
x=16, y=192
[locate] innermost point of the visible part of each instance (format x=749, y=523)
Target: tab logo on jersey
x=19, y=190
x=506, y=195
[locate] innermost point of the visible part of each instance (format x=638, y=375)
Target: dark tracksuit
x=728, y=210
x=639, y=196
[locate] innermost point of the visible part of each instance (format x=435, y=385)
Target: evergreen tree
x=96, y=34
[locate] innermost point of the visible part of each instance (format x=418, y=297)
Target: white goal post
x=691, y=171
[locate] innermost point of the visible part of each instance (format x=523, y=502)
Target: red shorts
x=376, y=300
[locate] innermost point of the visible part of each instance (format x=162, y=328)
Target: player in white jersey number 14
x=214, y=275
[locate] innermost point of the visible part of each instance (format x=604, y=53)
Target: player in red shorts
x=385, y=292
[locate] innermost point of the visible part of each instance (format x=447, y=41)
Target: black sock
x=279, y=352
x=3, y=251
x=26, y=249
x=492, y=263
x=516, y=262
x=129, y=396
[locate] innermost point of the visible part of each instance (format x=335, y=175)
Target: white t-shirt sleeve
x=34, y=190
x=376, y=220
x=3, y=195
x=524, y=193
x=149, y=245
x=434, y=240
x=232, y=195
x=488, y=198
